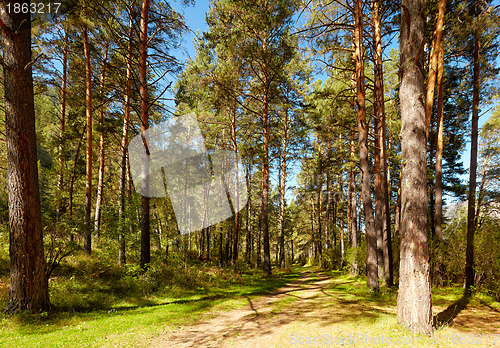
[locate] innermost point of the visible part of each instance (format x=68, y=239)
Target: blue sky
x=195, y=19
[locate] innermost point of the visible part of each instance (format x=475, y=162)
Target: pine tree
x=28, y=279
x=414, y=295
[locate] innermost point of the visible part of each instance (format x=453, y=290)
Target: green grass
x=96, y=304
x=342, y=305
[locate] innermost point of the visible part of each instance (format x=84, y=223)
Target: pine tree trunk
x=87, y=241
x=145, y=222
x=62, y=126
x=208, y=242
x=389, y=275
x=397, y=218
x=383, y=226
x=352, y=209
x=414, y=296
x=371, y=238
x=379, y=197
x=436, y=46
x=282, y=189
x=327, y=207
x=100, y=182
x=334, y=223
x=471, y=221
x=484, y=179
x=439, y=136
x=341, y=225
x=319, y=204
x=248, y=252
x=236, y=204
x=228, y=247
x=123, y=150
x=259, y=238
x=265, y=184
x=28, y=278
x=73, y=174
x=221, y=253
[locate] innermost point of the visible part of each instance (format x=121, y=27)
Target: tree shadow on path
x=447, y=316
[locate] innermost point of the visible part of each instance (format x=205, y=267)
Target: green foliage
x=95, y=301
x=448, y=257
x=332, y=259
x=58, y=243
x=359, y=255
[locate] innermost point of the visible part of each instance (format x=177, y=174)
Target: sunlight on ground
x=317, y=309
x=323, y=311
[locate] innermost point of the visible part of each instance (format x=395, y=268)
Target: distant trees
x=252, y=46
x=336, y=30
x=483, y=35
x=28, y=278
x=489, y=167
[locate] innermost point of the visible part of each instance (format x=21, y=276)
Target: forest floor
x=96, y=305
x=321, y=310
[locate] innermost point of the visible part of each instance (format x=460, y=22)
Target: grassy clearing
x=341, y=306
x=97, y=304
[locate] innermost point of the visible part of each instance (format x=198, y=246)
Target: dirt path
x=296, y=314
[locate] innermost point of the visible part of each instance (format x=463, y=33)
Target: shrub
x=448, y=257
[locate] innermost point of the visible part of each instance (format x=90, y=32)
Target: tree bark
x=265, y=176
x=371, y=238
x=319, y=203
x=62, y=126
x=341, y=225
x=471, y=221
x=397, y=218
x=436, y=46
x=484, y=179
x=382, y=218
x=208, y=242
x=145, y=222
x=259, y=237
x=123, y=150
x=28, y=277
x=379, y=196
x=282, y=189
x=352, y=209
x=328, y=206
x=87, y=241
x=248, y=252
x=438, y=220
x=100, y=182
x=237, y=193
x=73, y=174
x=414, y=296
x=433, y=64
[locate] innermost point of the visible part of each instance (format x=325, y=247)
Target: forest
x=249, y=173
